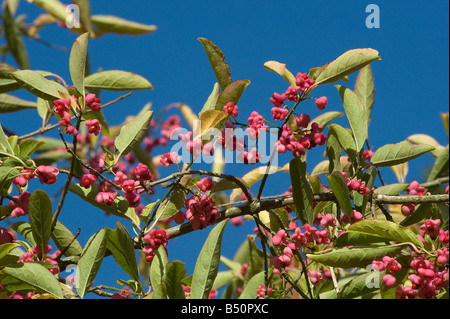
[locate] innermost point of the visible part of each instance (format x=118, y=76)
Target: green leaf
x=35, y=275
x=40, y=213
x=440, y=167
x=14, y=38
x=90, y=261
x=346, y=64
x=120, y=206
x=24, y=229
x=63, y=237
x=333, y=150
x=116, y=80
x=391, y=189
x=217, y=60
x=345, y=140
x=85, y=14
x=6, y=248
x=173, y=276
x=210, y=120
x=301, y=191
x=421, y=212
x=133, y=133
x=393, y=154
x=157, y=271
x=280, y=68
x=340, y=190
x=212, y=99
x=171, y=206
x=386, y=229
x=38, y=85
x=355, y=257
x=207, y=264
x=29, y=147
x=223, y=278
x=77, y=61
x=113, y=24
x=121, y=245
x=365, y=89
x=232, y=93
x=428, y=140
x=357, y=115
x=357, y=239
x=445, y=120
x=9, y=103
x=325, y=118
x=354, y=287
x=53, y=7
x=251, y=287
x=4, y=143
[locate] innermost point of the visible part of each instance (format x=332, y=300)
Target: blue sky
x=411, y=80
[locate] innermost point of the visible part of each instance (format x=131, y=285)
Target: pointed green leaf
x=280, y=68
x=353, y=287
x=24, y=229
x=14, y=37
x=421, y=212
x=85, y=14
x=217, y=60
x=252, y=285
x=386, y=229
x=65, y=240
x=357, y=239
x=157, y=271
x=345, y=140
x=133, y=133
x=116, y=80
x=325, y=118
x=90, y=261
x=346, y=64
x=357, y=115
x=35, y=275
x=120, y=206
x=428, y=140
x=113, y=24
x=40, y=213
x=393, y=154
x=212, y=99
x=174, y=274
x=38, y=85
x=333, y=150
x=207, y=264
x=9, y=103
x=54, y=7
x=77, y=61
x=440, y=167
x=232, y=93
x=340, y=190
x=4, y=143
x=6, y=248
x=365, y=88
x=301, y=191
x=121, y=245
x=391, y=189
x=445, y=120
x=210, y=120
x=356, y=257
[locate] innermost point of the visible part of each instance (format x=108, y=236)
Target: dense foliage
x=339, y=231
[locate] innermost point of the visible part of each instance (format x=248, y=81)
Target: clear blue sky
x=411, y=80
